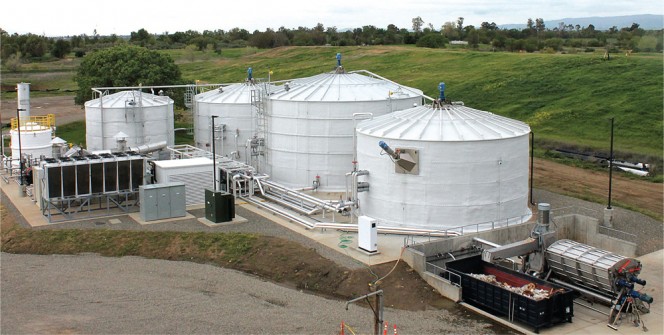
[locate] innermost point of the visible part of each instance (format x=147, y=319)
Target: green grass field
x=566, y=98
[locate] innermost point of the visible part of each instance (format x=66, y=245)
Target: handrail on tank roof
x=401, y=86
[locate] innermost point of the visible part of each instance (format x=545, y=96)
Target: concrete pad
x=28, y=208
x=237, y=219
x=114, y=221
x=137, y=217
x=390, y=246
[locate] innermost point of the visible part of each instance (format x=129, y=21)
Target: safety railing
x=33, y=122
x=470, y=228
x=436, y=270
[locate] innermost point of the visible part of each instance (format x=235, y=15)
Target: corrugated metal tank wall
x=473, y=168
x=310, y=126
x=232, y=104
x=146, y=118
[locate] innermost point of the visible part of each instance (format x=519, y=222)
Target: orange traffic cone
x=342, y=329
x=385, y=329
x=395, y=329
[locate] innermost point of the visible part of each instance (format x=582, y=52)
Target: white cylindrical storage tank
x=471, y=168
x=144, y=117
x=35, y=141
x=23, y=97
x=232, y=105
x=311, y=125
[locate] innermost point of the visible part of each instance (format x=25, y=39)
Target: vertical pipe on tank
x=23, y=97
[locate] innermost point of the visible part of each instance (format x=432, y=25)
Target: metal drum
x=590, y=267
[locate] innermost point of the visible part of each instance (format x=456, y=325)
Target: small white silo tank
x=36, y=132
x=311, y=125
x=35, y=141
x=236, y=118
x=144, y=117
x=471, y=168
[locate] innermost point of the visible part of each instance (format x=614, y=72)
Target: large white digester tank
x=311, y=124
x=144, y=117
x=461, y=166
x=236, y=117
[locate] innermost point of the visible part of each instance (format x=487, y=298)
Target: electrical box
x=162, y=201
x=367, y=238
x=219, y=206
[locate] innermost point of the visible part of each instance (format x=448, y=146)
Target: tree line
x=534, y=37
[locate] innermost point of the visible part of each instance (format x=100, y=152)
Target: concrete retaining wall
x=580, y=228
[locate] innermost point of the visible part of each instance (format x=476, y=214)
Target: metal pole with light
x=20, y=152
x=214, y=156
x=610, y=165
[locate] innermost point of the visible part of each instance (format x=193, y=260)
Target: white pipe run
x=149, y=147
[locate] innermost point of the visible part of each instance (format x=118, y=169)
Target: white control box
x=367, y=234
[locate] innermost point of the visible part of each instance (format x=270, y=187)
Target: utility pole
x=377, y=311
x=214, y=156
x=610, y=165
x=608, y=211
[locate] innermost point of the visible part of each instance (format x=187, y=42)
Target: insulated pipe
x=237, y=151
x=483, y=241
x=101, y=113
x=300, y=196
x=355, y=115
x=150, y=147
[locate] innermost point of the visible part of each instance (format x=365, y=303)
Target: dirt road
x=581, y=183
x=62, y=106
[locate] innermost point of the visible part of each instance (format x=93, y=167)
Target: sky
x=121, y=17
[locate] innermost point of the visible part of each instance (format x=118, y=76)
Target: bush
x=79, y=53
x=13, y=63
x=432, y=40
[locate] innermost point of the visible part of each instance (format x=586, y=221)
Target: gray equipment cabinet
x=162, y=201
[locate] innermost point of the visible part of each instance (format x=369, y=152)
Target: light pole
x=214, y=157
x=610, y=165
x=20, y=153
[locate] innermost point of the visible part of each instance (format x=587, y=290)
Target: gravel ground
x=60, y=294
x=93, y=294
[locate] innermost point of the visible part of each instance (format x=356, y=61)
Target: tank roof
x=124, y=98
x=232, y=94
x=447, y=123
x=341, y=87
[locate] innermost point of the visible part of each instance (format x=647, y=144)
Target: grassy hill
x=567, y=99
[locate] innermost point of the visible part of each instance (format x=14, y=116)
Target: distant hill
x=645, y=21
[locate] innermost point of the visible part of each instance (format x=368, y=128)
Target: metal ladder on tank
x=257, y=102
x=189, y=94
